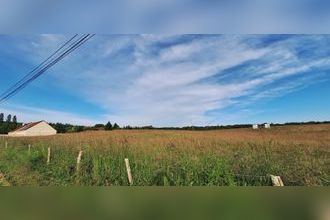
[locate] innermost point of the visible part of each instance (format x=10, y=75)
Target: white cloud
x=169, y=81
x=30, y=114
x=165, y=16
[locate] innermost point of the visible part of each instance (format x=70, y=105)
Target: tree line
x=69, y=128
x=109, y=126
x=220, y=127
x=8, y=123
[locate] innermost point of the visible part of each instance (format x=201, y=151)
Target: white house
x=255, y=126
x=267, y=125
x=40, y=128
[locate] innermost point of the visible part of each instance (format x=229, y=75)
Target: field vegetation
x=231, y=157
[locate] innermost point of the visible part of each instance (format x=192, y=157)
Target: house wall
x=41, y=129
x=16, y=134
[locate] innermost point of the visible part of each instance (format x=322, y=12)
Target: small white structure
x=255, y=126
x=40, y=128
x=267, y=126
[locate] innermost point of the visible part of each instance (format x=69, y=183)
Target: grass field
x=243, y=157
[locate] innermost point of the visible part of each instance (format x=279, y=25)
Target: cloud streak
x=165, y=16
x=180, y=80
x=36, y=114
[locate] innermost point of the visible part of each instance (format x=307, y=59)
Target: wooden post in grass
x=78, y=160
x=48, y=156
x=129, y=174
x=276, y=180
x=29, y=148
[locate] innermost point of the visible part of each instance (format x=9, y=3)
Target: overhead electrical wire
x=46, y=66
x=57, y=56
x=72, y=47
x=36, y=68
x=26, y=77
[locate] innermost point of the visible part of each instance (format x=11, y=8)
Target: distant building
x=267, y=125
x=255, y=126
x=40, y=128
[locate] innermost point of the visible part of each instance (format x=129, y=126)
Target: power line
x=48, y=63
x=74, y=45
x=42, y=71
x=36, y=68
x=71, y=48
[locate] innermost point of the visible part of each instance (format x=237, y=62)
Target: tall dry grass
x=299, y=154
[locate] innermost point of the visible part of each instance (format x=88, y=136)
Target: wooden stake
x=29, y=148
x=276, y=180
x=48, y=156
x=129, y=174
x=79, y=159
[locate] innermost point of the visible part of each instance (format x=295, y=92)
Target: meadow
x=231, y=157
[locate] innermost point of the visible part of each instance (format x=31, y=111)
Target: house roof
x=27, y=126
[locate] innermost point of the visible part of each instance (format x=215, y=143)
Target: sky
x=165, y=16
x=171, y=80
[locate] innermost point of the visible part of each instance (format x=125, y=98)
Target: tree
x=116, y=126
x=59, y=127
x=99, y=127
x=127, y=127
x=78, y=128
x=108, y=126
x=15, y=119
x=2, y=116
x=8, y=118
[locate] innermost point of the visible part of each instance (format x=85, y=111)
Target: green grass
x=162, y=159
x=105, y=168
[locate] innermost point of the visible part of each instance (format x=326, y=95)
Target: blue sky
x=171, y=80
x=165, y=16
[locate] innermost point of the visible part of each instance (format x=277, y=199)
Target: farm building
x=40, y=128
x=255, y=126
x=267, y=125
